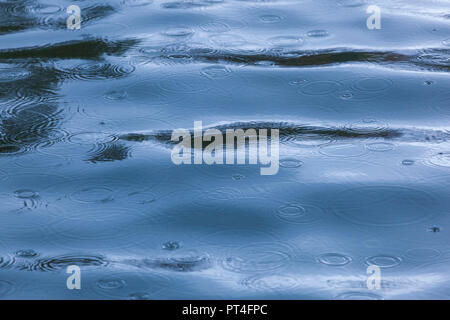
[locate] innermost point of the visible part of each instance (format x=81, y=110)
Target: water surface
x=86, y=176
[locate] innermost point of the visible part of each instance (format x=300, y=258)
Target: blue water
x=86, y=176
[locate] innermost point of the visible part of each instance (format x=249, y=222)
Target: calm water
x=87, y=179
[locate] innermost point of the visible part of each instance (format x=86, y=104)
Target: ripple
x=18, y=205
x=380, y=146
x=440, y=159
x=384, y=261
x=299, y=213
x=6, y=262
x=290, y=163
x=181, y=262
x=126, y=285
x=355, y=295
x=26, y=194
x=116, y=95
x=283, y=42
x=367, y=126
x=179, y=32
x=6, y=288
x=216, y=72
x=270, y=18
x=10, y=73
x=258, y=257
x=422, y=254
x=47, y=9
x=305, y=140
x=27, y=253
x=111, y=283
x=384, y=205
x=142, y=197
x=334, y=259
x=93, y=194
x=320, y=88
x=298, y=82
x=238, y=177
x=271, y=282
x=317, y=33
x=31, y=126
x=215, y=27
x=343, y=150
x=408, y=162
x=373, y=84
x=446, y=42
x=348, y=95
x=99, y=71
x=63, y=261
x=170, y=245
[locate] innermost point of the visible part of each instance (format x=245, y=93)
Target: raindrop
x=317, y=33
x=334, y=259
x=270, y=18
x=116, y=95
x=216, y=72
x=111, y=283
x=384, y=261
x=296, y=213
x=171, y=245
x=290, y=163
x=27, y=253
x=179, y=32
x=93, y=194
x=271, y=282
x=380, y=146
x=26, y=194
x=408, y=162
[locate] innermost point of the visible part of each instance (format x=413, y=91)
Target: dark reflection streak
x=82, y=49
x=429, y=59
x=291, y=130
